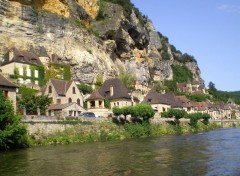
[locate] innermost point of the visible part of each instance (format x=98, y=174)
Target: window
x=36, y=82
x=50, y=89
x=5, y=93
x=29, y=72
x=78, y=101
x=69, y=100
x=70, y=113
x=74, y=90
x=36, y=73
x=21, y=71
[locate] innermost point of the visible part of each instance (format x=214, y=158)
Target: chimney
x=111, y=90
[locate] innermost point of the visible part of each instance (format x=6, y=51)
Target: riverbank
x=79, y=132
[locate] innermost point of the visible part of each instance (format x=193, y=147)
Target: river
x=212, y=153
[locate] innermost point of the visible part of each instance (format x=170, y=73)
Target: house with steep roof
x=25, y=67
x=63, y=94
x=162, y=102
x=187, y=104
x=9, y=90
x=114, y=91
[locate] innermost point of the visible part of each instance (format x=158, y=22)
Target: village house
x=114, y=91
x=187, y=104
x=66, y=98
x=22, y=66
x=162, y=102
x=9, y=90
x=194, y=87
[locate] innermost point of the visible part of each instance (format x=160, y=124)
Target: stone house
x=63, y=93
x=22, y=66
x=114, y=91
x=61, y=111
x=162, y=102
x=9, y=90
x=194, y=87
x=187, y=104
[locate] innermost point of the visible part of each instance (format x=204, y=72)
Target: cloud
x=229, y=8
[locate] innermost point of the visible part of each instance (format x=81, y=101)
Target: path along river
x=212, y=153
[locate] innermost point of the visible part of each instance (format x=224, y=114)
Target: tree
x=194, y=117
x=13, y=134
x=177, y=114
x=32, y=102
x=99, y=81
x=85, y=89
x=144, y=110
x=129, y=80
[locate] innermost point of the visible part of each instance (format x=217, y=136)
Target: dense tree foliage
x=85, y=89
x=32, y=102
x=13, y=134
x=223, y=95
x=129, y=80
x=140, y=111
x=181, y=74
x=176, y=113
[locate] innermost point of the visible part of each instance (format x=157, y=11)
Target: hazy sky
x=207, y=29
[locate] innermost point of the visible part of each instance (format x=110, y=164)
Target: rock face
x=57, y=27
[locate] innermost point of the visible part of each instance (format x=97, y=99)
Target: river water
x=211, y=153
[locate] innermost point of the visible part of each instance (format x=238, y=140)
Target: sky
x=207, y=29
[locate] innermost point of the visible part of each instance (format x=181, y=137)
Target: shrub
x=13, y=134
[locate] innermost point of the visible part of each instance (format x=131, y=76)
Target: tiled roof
x=185, y=101
x=95, y=96
x=119, y=90
x=61, y=86
x=168, y=99
x=6, y=83
x=21, y=57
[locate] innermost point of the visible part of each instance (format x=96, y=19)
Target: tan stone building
x=9, y=90
x=162, y=102
x=114, y=91
x=22, y=66
x=63, y=93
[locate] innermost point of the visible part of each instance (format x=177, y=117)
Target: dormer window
x=34, y=60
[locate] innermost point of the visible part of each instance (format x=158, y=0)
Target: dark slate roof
x=95, y=96
x=21, y=57
x=61, y=86
x=119, y=90
x=168, y=99
x=6, y=83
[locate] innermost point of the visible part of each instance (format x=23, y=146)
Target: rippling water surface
x=211, y=153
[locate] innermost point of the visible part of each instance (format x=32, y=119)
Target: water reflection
x=212, y=153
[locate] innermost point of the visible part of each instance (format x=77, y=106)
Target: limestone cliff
x=68, y=28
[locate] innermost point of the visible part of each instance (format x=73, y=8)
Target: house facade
x=162, y=102
x=9, y=90
x=23, y=67
x=114, y=91
x=62, y=93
